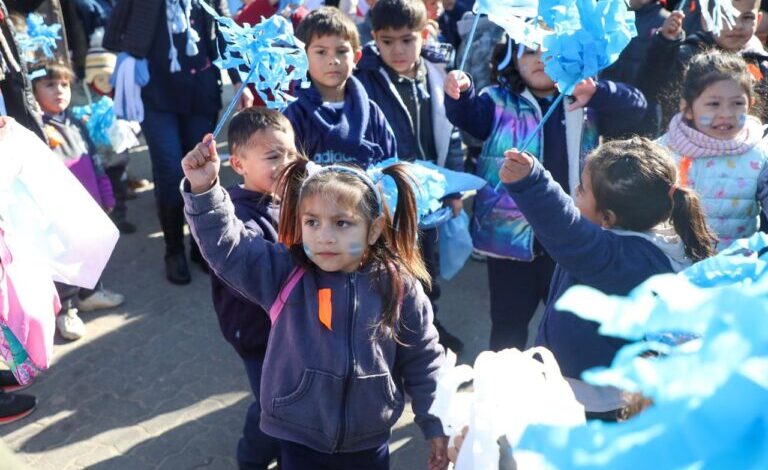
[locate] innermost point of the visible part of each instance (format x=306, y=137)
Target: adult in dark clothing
x=670, y=51
x=449, y=19
x=180, y=105
x=649, y=16
x=15, y=86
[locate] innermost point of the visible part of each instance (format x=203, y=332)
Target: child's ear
x=375, y=231
x=685, y=109
x=237, y=164
x=358, y=55
x=607, y=218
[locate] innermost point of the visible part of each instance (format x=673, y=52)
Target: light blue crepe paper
x=588, y=36
x=98, y=119
x=737, y=263
x=39, y=36
x=512, y=15
x=272, y=56
x=432, y=184
x=289, y=3
x=725, y=430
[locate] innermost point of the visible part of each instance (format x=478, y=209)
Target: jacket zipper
x=417, y=118
x=350, y=363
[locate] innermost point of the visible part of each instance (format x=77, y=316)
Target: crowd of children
x=330, y=297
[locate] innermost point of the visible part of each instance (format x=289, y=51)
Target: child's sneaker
x=15, y=406
x=100, y=299
x=8, y=382
x=70, y=326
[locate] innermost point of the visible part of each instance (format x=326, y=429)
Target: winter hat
x=98, y=61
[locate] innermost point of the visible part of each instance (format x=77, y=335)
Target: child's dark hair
x=52, y=70
x=251, y=120
x=328, y=21
x=636, y=180
x=714, y=66
x=396, y=14
x=508, y=77
x=395, y=254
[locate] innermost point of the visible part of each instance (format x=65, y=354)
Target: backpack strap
x=293, y=278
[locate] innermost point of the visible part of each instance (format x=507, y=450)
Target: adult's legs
x=516, y=287
x=255, y=450
x=164, y=139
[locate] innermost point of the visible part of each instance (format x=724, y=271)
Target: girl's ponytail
x=690, y=224
x=288, y=189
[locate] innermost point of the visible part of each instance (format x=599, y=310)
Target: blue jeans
x=169, y=137
x=255, y=449
x=298, y=457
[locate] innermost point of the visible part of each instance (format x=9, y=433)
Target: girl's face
x=531, y=69
x=53, y=94
x=720, y=111
x=335, y=237
x=585, y=201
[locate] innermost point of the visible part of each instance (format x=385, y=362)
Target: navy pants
x=298, y=457
x=516, y=287
x=255, y=450
x=169, y=137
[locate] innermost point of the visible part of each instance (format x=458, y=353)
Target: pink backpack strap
x=293, y=278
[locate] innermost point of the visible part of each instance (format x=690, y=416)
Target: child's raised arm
x=241, y=257
x=465, y=109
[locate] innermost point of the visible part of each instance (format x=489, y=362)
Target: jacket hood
x=664, y=237
x=437, y=54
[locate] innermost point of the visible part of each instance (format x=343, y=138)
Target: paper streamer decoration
x=710, y=395
x=39, y=36
x=98, y=119
x=269, y=51
x=433, y=183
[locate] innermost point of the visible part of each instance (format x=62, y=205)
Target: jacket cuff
x=519, y=186
x=195, y=204
x=432, y=427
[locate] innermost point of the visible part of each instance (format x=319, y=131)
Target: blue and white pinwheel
x=98, y=118
x=271, y=54
x=39, y=36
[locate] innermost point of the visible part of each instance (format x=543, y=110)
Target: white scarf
x=178, y=16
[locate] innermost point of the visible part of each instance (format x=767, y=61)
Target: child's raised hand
x=201, y=165
x=517, y=165
x=456, y=83
x=582, y=93
x=438, y=453
x=673, y=25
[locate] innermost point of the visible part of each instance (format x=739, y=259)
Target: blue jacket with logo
x=358, y=133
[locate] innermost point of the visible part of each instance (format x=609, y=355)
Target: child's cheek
x=355, y=249
x=742, y=120
x=307, y=250
x=705, y=120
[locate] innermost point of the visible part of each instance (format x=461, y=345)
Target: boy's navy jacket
x=243, y=323
x=337, y=389
x=358, y=133
x=373, y=75
x=612, y=262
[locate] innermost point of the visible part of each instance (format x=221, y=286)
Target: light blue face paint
x=307, y=250
x=705, y=121
x=355, y=249
x=742, y=120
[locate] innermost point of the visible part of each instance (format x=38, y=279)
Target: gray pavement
x=154, y=385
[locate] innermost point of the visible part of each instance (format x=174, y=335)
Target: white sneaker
x=70, y=325
x=102, y=298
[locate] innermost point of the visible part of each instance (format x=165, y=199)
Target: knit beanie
x=98, y=61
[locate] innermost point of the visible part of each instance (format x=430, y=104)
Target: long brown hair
x=395, y=255
x=636, y=180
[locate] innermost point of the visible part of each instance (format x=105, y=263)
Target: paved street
x=154, y=385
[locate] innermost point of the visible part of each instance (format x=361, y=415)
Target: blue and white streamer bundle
x=39, y=36
x=723, y=13
x=271, y=53
x=98, y=118
x=588, y=36
x=710, y=395
x=432, y=184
